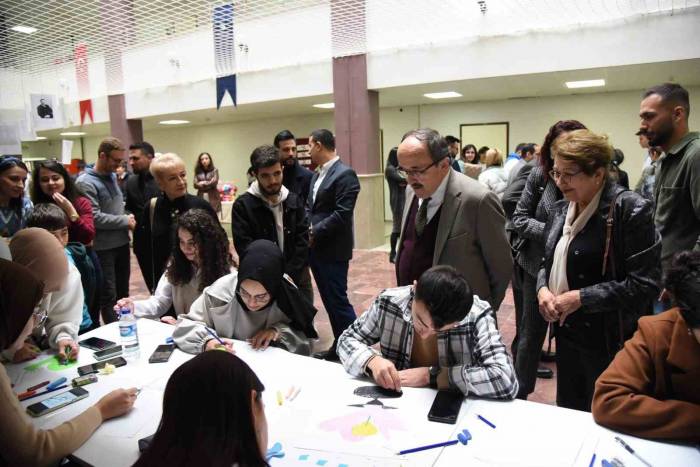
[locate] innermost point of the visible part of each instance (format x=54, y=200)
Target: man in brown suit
x=450, y=219
x=652, y=388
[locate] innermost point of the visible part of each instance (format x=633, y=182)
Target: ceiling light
x=589, y=83
x=72, y=133
x=174, y=122
x=442, y=95
x=327, y=105
x=40, y=138
x=24, y=29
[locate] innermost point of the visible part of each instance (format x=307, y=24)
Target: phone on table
x=108, y=353
x=56, y=402
x=162, y=353
x=446, y=406
x=95, y=343
x=95, y=367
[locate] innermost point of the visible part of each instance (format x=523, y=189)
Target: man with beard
x=297, y=178
x=664, y=120
x=450, y=219
x=140, y=188
x=270, y=211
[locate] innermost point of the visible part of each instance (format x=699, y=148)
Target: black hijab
x=20, y=292
x=263, y=262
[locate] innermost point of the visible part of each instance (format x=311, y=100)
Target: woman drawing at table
x=21, y=443
x=601, y=268
x=62, y=303
x=199, y=258
x=257, y=303
x=223, y=428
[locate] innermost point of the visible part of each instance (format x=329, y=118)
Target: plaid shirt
x=472, y=352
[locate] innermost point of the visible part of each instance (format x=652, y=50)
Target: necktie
x=422, y=217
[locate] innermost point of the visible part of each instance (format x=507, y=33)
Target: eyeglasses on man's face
x=415, y=173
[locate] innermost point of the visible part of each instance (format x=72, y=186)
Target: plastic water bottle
x=129, y=333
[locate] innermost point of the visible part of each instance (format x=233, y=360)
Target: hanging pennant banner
x=224, y=53
x=223, y=84
x=80, y=58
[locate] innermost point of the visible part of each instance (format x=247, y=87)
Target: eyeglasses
x=246, y=297
x=417, y=173
x=564, y=177
x=39, y=315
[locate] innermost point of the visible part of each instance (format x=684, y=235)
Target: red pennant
x=86, y=108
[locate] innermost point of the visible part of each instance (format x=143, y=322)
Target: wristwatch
x=433, y=371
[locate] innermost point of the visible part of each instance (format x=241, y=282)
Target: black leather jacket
x=630, y=285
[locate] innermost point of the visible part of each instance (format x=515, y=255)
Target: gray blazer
x=471, y=236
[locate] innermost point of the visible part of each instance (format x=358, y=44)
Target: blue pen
x=462, y=437
x=592, y=461
x=486, y=421
x=54, y=384
x=213, y=334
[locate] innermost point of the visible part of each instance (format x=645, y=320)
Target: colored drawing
x=356, y=426
x=52, y=364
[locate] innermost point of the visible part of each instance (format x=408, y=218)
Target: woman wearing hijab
x=62, y=304
x=257, y=303
x=20, y=443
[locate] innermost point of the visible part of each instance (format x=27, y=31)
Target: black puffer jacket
x=635, y=257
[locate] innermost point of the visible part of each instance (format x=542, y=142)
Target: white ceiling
x=622, y=78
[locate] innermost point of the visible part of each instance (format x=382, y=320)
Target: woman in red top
x=52, y=184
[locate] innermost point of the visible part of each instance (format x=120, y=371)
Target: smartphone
x=95, y=367
x=56, y=402
x=84, y=380
x=162, y=353
x=445, y=408
x=108, y=353
x=95, y=343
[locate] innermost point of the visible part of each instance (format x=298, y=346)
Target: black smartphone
x=95, y=343
x=162, y=353
x=95, y=367
x=445, y=408
x=56, y=402
x=108, y=353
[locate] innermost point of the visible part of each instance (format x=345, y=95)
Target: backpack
x=83, y=263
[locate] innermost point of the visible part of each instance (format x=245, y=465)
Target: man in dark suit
x=333, y=193
x=297, y=178
x=140, y=188
x=44, y=110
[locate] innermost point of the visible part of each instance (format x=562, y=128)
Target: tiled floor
x=370, y=273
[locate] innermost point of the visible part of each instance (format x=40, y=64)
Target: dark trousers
x=94, y=305
x=116, y=267
x=145, y=264
x=531, y=332
x=304, y=284
x=581, y=358
x=517, y=286
x=332, y=281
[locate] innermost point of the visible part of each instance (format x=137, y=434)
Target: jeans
x=332, y=281
x=116, y=268
x=532, y=330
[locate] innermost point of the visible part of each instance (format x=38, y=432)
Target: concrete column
x=128, y=131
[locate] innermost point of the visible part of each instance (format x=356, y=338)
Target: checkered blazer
x=472, y=352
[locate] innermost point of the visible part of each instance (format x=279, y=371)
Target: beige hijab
x=43, y=254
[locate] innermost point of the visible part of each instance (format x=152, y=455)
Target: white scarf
x=558, y=282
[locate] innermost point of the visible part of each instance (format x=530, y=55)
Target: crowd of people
x=613, y=275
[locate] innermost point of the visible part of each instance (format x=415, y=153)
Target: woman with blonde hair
x=602, y=264
x=161, y=212
x=494, y=176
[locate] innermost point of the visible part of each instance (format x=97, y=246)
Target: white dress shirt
x=436, y=198
x=322, y=172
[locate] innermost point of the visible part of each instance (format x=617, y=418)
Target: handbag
x=609, y=224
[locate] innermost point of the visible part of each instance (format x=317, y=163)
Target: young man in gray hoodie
x=268, y=210
x=112, y=225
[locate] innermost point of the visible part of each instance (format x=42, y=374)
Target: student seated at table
x=213, y=415
x=198, y=259
x=52, y=218
x=257, y=303
x=21, y=443
x=435, y=333
x=43, y=254
x=652, y=387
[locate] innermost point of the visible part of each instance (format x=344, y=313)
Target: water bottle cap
x=125, y=311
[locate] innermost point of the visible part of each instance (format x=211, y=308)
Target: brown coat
x=206, y=184
x=652, y=387
x=471, y=237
